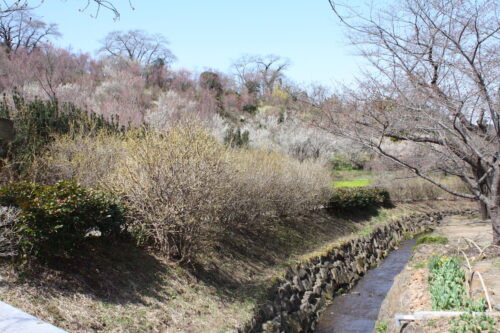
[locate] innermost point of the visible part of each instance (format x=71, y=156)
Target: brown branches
x=437, y=75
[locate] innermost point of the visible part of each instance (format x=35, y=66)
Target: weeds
x=432, y=239
x=381, y=327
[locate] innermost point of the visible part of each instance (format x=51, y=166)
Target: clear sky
x=211, y=34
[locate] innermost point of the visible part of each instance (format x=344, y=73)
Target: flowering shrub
x=274, y=184
x=176, y=186
x=171, y=107
x=55, y=220
x=183, y=188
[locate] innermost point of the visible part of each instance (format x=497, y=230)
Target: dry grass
x=122, y=288
x=402, y=187
x=277, y=184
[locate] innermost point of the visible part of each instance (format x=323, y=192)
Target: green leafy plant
x=432, y=239
x=36, y=122
x=350, y=198
x=55, y=220
x=470, y=323
x=447, y=286
x=381, y=327
x=446, y=283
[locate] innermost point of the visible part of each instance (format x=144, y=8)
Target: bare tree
x=53, y=67
x=246, y=73
x=103, y=4
x=271, y=69
x=255, y=72
x=435, y=83
x=8, y=7
x=23, y=30
x=137, y=45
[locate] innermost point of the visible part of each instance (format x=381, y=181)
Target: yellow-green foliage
x=352, y=183
x=183, y=188
x=176, y=186
x=88, y=159
x=280, y=95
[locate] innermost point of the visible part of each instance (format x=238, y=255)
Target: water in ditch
x=357, y=311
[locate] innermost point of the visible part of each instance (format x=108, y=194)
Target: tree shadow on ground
x=356, y=214
x=253, y=252
x=239, y=269
x=115, y=272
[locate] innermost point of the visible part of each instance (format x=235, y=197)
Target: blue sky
x=211, y=34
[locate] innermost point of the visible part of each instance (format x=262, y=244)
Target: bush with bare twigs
x=175, y=186
x=278, y=184
x=9, y=236
x=183, y=188
x=411, y=188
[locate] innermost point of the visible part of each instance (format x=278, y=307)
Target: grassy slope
x=119, y=287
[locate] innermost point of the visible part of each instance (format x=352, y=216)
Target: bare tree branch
x=435, y=84
x=137, y=45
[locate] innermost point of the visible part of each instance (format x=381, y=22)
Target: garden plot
x=435, y=280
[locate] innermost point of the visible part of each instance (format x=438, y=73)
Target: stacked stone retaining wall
x=295, y=301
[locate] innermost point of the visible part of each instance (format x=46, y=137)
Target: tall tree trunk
x=495, y=223
x=483, y=210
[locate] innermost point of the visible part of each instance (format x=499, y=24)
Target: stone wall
x=295, y=300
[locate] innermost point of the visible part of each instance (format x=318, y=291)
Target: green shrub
x=250, y=108
x=350, y=198
x=430, y=239
x=236, y=138
x=36, y=122
x=55, y=220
